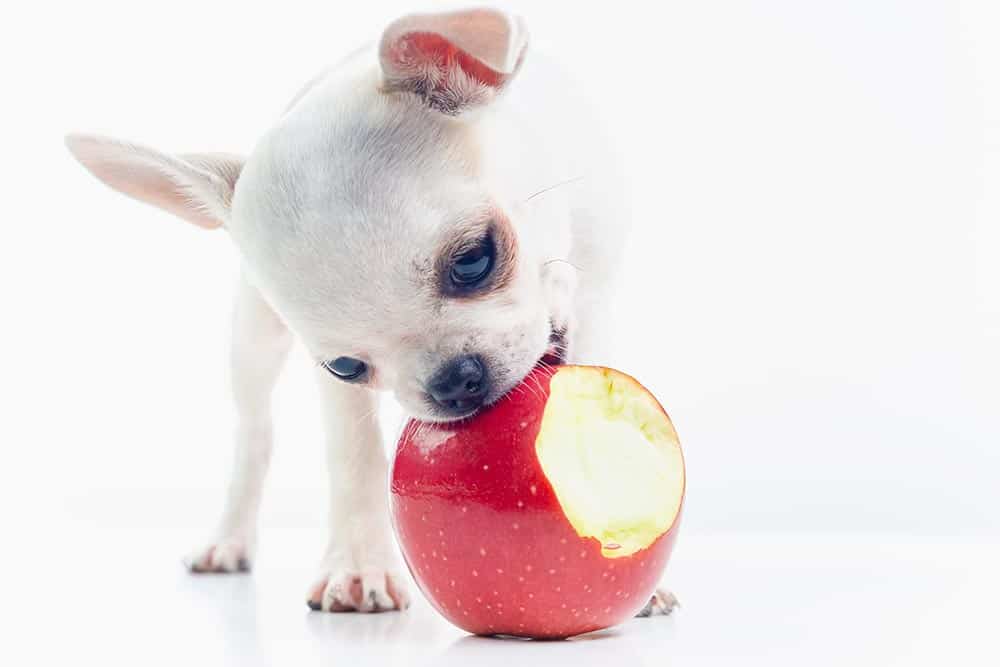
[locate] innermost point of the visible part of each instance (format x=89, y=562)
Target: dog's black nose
x=460, y=386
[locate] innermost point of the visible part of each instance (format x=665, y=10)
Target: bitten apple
x=550, y=514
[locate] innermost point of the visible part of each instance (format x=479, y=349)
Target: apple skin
x=485, y=538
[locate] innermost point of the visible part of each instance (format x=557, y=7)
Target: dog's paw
x=662, y=603
x=345, y=588
x=224, y=556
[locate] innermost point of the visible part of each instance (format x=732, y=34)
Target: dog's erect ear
x=196, y=187
x=455, y=61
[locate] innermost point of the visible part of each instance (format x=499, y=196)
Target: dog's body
x=430, y=217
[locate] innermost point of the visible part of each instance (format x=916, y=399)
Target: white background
x=813, y=293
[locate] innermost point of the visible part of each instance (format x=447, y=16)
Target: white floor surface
x=107, y=588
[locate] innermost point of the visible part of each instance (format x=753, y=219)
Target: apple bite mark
x=612, y=457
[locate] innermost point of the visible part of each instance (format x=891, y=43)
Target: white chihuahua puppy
x=432, y=216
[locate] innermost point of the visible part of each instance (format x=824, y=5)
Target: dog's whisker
x=417, y=432
x=539, y=390
x=553, y=187
x=564, y=261
x=365, y=417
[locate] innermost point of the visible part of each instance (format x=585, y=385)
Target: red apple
x=549, y=514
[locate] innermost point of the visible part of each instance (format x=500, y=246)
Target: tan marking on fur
x=490, y=220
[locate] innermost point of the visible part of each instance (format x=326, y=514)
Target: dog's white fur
x=338, y=213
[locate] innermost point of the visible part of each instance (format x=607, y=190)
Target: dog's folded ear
x=455, y=61
x=197, y=187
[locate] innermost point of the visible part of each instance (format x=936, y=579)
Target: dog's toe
x=662, y=603
x=225, y=556
x=370, y=590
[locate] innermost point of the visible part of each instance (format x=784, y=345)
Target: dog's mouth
x=555, y=355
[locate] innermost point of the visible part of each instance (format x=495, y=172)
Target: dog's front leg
x=359, y=570
x=259, y=347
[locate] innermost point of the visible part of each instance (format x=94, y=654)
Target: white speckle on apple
x=430, y=440
x=520, y=580
x=520, y=503
x=482, y=551
x=486, y=467
x=475, y=574
x=527, y=568
x=551, y=571
x=499, y=570
x=533, y=489
x=516, y=526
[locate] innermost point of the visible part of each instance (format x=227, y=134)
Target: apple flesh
x=550, y=514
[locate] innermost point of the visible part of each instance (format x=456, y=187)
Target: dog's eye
x=472, y=266
x=346, y=368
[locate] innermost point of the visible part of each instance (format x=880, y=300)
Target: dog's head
x=388, y=217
